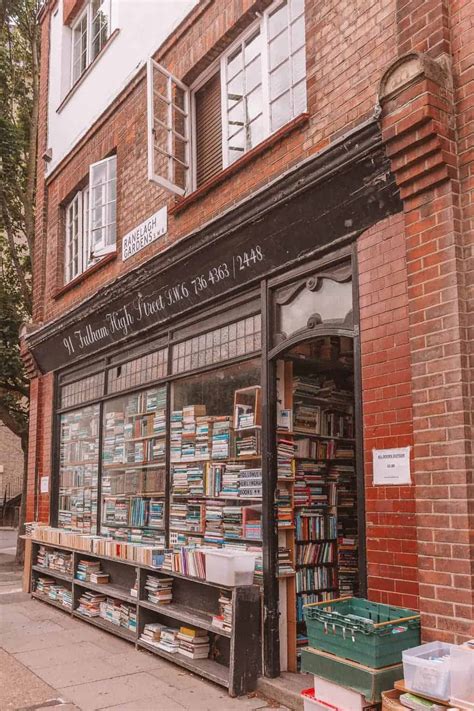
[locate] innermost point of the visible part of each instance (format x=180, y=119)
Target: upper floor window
x=89, y=34
x=91, y=219
x=257, y=86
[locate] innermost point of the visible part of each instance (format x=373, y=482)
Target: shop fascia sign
x=145, y=233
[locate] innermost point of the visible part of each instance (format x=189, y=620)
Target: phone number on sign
x=216, y=274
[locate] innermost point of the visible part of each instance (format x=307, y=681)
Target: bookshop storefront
x=215, y=399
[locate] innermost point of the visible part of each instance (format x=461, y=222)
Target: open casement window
x=168, y=130
x=102, y=207
x=91, y=220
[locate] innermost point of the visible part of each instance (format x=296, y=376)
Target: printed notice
x=44, y=484
x=392, y=466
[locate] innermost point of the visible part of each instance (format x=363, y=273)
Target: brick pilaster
x=418, y=128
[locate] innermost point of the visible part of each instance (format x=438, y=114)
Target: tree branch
x=25, y=289
x=18, y=428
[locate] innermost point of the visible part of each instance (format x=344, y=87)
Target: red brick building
x=285, y=151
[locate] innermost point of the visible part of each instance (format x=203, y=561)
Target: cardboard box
x=366, y=681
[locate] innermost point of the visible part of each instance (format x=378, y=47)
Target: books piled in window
x=250, y=483
x=213, y=479
x=85, y=568
x=223, y=620
x=62, y=595
x=221, y=438
x=214, y=530
x=176, y=432
x=284, y=508
x=55, y=560
x=193, y=642
x=152, y=633
x=155, y=399
x=312, y=526
x=89, y=604
x=195, y=476
x=156, y=514
x=285, y=563
x=232, y=521
x=177, y=518
x=315, y=553
x=245, y=419
x=159, y=590
x=115, y=511
x=286, y=450
x=159, y=423
x=252, y=522
x=186, y=560
x=312, y=579
x=169, y=640
x=203, y=437
x=248, y=445
x=139, y=511
x=194, y=518
x=230, y=481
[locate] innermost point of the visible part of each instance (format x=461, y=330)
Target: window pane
x=236, y=115
x=235, y=88
x=253, y=47
x=234, y=63
x=280, y=80
x=299, y=66
x=100, y=25
x=254, y=104
x=237, y=140
x=279, y=49
x=297, y=34
x=296, y=7
x=299, y=98
x=256, y=130
x=281, y=111
x=253, y=74
x=278, y=20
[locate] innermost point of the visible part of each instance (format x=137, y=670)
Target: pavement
x=50, y=661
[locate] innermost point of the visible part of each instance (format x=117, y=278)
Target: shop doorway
x=316, y=492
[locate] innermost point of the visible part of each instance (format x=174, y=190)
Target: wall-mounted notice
x=44, y=484
x=145, y=233
x=392, y=466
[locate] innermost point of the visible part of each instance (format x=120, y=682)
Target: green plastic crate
x=366, y=632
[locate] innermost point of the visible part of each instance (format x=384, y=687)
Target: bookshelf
x=234, y=645
x=79, y=469
x=316, y=485
x=133, y=474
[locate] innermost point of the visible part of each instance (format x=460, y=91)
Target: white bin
x=311, y=703
x=427, y=669
x=462, y=677
x=229, y=567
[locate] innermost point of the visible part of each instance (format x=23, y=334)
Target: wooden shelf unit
x=194, y=603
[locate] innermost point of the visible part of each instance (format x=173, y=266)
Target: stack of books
x=248, y=445
x=221, y=438
x=285, y=563
x=232, y=521
x=85, y=568
x=284, y=507
x=230, y=481
x=89, y=604
x=214, y=531
x=152, y=633
x=156, y=514
x=193, y=643
x=223, y=620
x=55, y=560
x=159, y=423
x=176, y=433
x=169, y=640
x=159, y=590
x=286, y=451
x=61, y=595
x=43, y=584
x=203, y=436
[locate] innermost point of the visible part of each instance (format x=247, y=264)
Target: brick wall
x=341, y=93
x=392, y=560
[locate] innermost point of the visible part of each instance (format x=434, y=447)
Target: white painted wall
x=143, y=25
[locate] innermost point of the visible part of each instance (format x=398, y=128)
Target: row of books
x=92, y=604
x=311, y=579
x=59, y=561
x=134, y=481
x=91, y=571
x=80, y=424
x=223, y=619
x=186, y=560
x=312, y=526
x=142, y=536
x=78, y=475
x=227, y=480
x=145, y=402
x=147, y=451
x=136, y=511
x=315, y=553
x=79, y=450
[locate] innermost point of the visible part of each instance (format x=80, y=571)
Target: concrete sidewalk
x=49, y=660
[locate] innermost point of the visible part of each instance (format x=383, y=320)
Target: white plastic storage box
x=340, y=696
x=462, y=677
x=229, y=567
x=311, y=703
x=427, y=669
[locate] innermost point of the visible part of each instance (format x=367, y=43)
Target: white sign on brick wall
x=392, y=466
x=145, y=233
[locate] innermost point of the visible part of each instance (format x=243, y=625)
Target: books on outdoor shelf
x=169, y=640
x=99, y=578
x=223, y=620
x=152, y=633
x=89, y=604
x=85, y=568
x=43, y=584
x=186, y=560
x=193, y=642
x=159, y=590
x=118, y=613
x=62, y=595
x=58, y=561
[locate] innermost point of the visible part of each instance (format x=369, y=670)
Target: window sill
x=182, y=203
x=86, y=73
x=82, y=277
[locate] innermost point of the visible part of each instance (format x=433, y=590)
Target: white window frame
x=85, y=255
x=106, y=248
x=219, y=65
x=87, y=13
x=162, y=180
